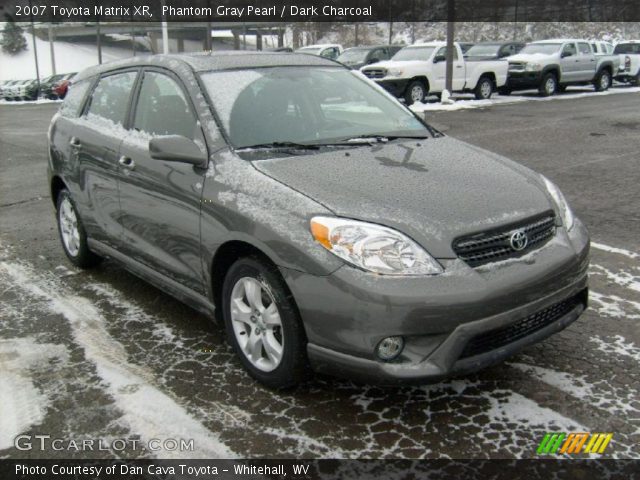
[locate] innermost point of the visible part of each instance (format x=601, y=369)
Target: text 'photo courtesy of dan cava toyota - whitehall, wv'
x=309, y=247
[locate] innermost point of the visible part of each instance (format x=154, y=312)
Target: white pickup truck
x=420, y=69
x=552, y=65
x=629, y=53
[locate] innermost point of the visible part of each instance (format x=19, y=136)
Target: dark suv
x=328, y=225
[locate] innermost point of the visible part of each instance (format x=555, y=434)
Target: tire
x=602, y=82
x=72, y=234
x=549, y=85
x=484, y=88
x=416, y=92
x=636, y=80
x=269, y=320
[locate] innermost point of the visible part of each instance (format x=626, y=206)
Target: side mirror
x=176, y=148
x=439, y=58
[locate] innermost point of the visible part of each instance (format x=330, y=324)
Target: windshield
x=545, y=48
x=304, y=105
x=488, y=50
x=627, y=48
x=353, y=55
x=414, y=53
x=312, y=50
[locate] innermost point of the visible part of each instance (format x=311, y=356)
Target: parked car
x=46, y=86
x=269, y=203
x=601, y=47
x=13, y=91
x=357, y=57
x=552, y=65
x=281, y=49
x=30, y=91
x=492, y=50
x=4, y=88
x=328, y=50
x=629, y=56
x=60, y=87
x=419, y=70
x=465, y=46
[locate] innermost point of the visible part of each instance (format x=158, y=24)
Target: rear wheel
x=549, y=85
x=602, y=81
x=484, y=89
x=416, y=92
x=72, y=233
x=263, y=324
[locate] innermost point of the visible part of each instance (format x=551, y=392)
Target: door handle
x=74, y=142
x=459, y=66
x=127, y=162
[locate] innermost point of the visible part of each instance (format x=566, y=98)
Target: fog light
x=389, y=348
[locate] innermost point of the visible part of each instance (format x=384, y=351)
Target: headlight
x=561, y=202
x=373, y=247
x=532, y=67
x=394, y=73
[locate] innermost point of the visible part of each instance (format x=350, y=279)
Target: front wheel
x=416, y=92
x=263, y=324
x=549, y=85
x=484, y=89
x=72, y=233
x=602, y=81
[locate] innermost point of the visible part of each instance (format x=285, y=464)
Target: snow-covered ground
x=69, y=57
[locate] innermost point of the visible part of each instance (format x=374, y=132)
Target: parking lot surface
x=102, y=355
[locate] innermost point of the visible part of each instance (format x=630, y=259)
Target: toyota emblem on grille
x=518, y=240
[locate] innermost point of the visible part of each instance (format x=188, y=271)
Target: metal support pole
x=99, y=43
x=451, y=8
x=52, y=52
x=35, y=46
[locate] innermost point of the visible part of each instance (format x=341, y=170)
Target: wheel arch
x=57, y=184
x=555, y=69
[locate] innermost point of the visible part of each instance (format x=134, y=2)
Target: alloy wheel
x=69, y=227
x=256, y=322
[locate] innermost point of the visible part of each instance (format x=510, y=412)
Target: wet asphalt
x=106, y=356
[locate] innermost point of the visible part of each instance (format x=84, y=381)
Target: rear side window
x=163, y=108
x=74, y=98
x=584, y=49
x=110, y=98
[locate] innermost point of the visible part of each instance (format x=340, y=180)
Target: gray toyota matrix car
x=327, y=226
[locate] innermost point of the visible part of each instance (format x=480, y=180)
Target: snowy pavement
x=467, y=101
x=102, y=355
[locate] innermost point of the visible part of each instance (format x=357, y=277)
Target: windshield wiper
x=379, y=138
x=275, y=145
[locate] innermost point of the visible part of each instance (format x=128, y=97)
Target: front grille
x=499, y=337
x=516, y=67
x=375, y=72
x=495, y=245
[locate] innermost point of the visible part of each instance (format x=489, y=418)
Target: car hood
x=434, y=192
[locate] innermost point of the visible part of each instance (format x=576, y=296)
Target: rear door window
x=585, y=49
x=111, y=97
x=163, y=108
x=74, y=99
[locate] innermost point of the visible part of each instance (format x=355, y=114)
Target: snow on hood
x=434, y=192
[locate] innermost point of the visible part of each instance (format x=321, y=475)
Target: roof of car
x=320, y=45
x=560, y=40
x=205, y=61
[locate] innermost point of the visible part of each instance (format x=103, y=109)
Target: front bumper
x=394, y=87
x=347, y=313
x=523, y=80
